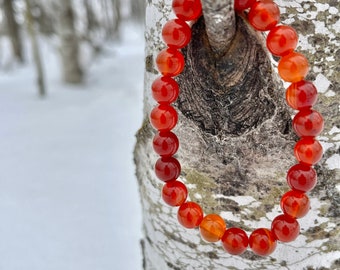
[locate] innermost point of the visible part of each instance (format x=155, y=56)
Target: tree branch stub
x=219, y=16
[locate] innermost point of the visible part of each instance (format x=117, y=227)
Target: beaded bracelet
x=301, y=95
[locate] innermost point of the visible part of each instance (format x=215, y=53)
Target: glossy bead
x=163, y=117
x=174, y=193
x=293, y=67
x=170, y=62
x=308, y=151
x=165, y=90
x=302, y=94
x=212, y=228
x=285, y=228
x=165, y=143
x=281, y=40
x=167, y=169
x=264, y=15
x=301, y=177
x=295, y=204
x=240, y=5
x=190, y=215
x=262, y=242
x=176, y=33
x=235, y=241
x=308, y=123
x=187, y=9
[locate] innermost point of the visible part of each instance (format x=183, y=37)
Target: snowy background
x=68, y=194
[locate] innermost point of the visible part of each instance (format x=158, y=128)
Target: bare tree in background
x=236, y=139
x=138, y=10
x=69, y=47
x=13, y=29
x=35, y=49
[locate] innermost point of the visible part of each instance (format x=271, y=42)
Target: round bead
x=281, y=40
x=240, y=5
x=285, y=228
x=165, y=90
x=163, y=117
x=190, y=215
x=308, y=151
x=301, y=177
x=176, y=33
x=187, y=9
x=264, y=15
x=293, y=67
x=295, y=204
x=235, y=241
x=165, y=143
x=212, y=228
x=308, y=123
x=167, y=168
x=170, y=62
x=262, y=242
x=302, y=94
x=174, y=193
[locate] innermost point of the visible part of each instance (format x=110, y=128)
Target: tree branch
x=219, y=16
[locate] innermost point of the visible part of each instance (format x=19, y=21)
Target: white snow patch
x=333, y=162
x=322, y=83
x=334, y=130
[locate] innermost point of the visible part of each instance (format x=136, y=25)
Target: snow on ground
x=68, y=194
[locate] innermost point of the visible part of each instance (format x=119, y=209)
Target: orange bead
x=190, y=215
x=212, y=228
x=187, y=9
x=308, y=151
x=176, y=33
x=301, y=95
x=308, y=123
x=293, y=67
x=235, y=241
x=281, y=40
x=163, y=117
x=285, y=228
x=170, y=62
x=174, y=193
x=264, y=15
x=240, y=5
x=262, y=242
x=295, y=204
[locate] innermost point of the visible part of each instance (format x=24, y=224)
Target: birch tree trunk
x=69, y=47
x=13, y=30
x=236, y=140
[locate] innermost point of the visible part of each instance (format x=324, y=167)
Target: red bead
x=262, y=242
x=190, y=215
x=308, y=151
x=163, y=117
x=170, y=62
x=308, y=123
x=167, y=169
x=165, y=90
x=293, y=67
x=302, y=94
x=240, y=5
x=281, y=40
x=285, y=228
x=174, y=193
x=264, y=15
x=176, y=33
x=295, y=204
x=187, y=9
x=212, y=228
x=165, y=143
x=301, y=177
x=235, y=241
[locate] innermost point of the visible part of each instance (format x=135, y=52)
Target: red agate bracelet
x=301, y=95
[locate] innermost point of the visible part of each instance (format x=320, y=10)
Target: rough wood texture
x=220, y=23
x=236, y=146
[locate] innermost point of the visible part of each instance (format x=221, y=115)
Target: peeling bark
x=236, y=143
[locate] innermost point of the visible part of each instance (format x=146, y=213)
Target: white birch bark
x=69, y=42
x=255, y=178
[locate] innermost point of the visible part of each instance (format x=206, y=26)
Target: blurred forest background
x=77, y=28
